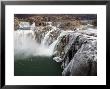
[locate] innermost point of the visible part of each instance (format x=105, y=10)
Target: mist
x=25, y=45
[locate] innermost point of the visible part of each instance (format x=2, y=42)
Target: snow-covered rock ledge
x=77, y=51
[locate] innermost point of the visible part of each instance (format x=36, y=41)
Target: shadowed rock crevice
x=80, y=57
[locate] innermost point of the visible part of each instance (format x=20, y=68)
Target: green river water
x=37, y=66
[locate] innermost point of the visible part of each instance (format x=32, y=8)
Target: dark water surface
x=37, y=66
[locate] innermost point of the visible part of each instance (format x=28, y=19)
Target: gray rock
x=79, y=56
x=84, y=62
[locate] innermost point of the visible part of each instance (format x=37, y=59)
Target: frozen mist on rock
x=75, y=49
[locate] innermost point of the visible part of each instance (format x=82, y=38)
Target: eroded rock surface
x=77, y=50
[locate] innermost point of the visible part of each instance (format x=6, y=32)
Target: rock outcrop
x=78, y=53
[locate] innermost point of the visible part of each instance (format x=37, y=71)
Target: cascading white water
x=26, y=45
x=46, y=40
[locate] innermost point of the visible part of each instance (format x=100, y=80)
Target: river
x=37, y=66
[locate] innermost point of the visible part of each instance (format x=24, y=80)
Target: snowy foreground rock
x=77, y=51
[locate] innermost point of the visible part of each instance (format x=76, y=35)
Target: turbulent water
x=44, y=50
x=26, y=45
x=33, y=58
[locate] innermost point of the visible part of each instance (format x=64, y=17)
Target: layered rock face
x=78, y=53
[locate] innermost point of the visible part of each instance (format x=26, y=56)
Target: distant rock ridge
x=65, y=21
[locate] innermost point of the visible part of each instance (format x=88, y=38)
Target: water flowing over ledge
x=76, y=49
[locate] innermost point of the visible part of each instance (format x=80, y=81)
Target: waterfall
x=26, y=45
x=47, y=38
